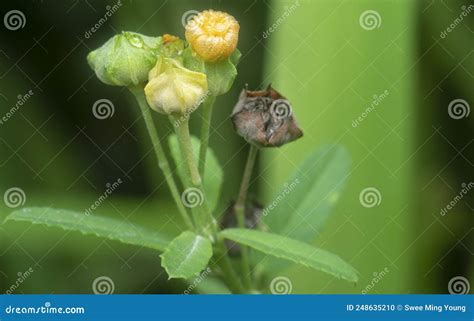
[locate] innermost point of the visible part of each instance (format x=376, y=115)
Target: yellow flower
x=213, y=35
x=173, y=89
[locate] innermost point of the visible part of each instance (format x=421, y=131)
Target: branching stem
x=160, y=154
x=205, y=129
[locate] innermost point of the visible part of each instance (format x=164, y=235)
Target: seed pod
x=265, y=118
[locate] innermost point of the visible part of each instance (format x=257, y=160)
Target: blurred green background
x=319, y=54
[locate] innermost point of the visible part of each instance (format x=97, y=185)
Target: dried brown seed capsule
x=265, y=118
x=253, y=214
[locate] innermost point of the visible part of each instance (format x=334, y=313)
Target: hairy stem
x=204, y=219
x=160, y=154
x=240, y=211
x=231, y=278
x=205, y=129
x=184, y=139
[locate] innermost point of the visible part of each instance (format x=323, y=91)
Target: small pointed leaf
x=220, y=74
x=186, y=255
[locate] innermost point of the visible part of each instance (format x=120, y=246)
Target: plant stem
x=160, y=154
x=205, y=129
x=240, y=211
x=204, y=219
x=185, y=141
x=244, y=186
x=225, y=264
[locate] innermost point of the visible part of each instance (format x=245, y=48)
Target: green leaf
x=235, y=57
x=301, y=207
x=213, y=174
x=220, y=74
x=293, y=250
x=100, y=226
x=186, y=255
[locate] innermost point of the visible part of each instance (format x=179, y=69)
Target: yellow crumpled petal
x=173, y=89
x=213, y=35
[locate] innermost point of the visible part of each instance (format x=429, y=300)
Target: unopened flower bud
x=125, y=59
x=213, y=35
x=173, y=89
x=265, y=118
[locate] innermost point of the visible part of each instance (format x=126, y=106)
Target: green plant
x=175, y=77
